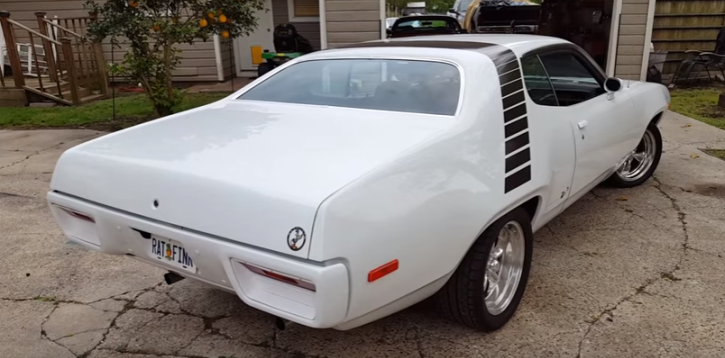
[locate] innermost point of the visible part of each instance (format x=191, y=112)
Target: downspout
x=323, y=25
x=218, y=58
x=383, y=16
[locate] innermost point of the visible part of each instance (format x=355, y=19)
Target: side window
x=537, y=82
x=573, y=82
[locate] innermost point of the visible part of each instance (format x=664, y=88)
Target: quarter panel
x=426, y=208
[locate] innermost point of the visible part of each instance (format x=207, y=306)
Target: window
x=392, y=85
x=463, y=6
x=537, y=81
x=573, y=82
x=303, y=10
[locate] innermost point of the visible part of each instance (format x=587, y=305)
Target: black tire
x=462, y=299
x=263, y=68
x=615, y=180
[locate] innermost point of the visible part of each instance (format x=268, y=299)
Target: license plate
x=172, y=252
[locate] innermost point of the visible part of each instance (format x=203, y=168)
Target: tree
x=153, y=29
x=439, y=6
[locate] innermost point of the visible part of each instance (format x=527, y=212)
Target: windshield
x=392, y=85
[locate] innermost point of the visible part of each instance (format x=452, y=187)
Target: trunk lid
x=245, y=171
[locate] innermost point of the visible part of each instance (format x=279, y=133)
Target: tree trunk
x=721, y=101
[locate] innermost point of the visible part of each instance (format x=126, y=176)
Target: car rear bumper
x=217, y=262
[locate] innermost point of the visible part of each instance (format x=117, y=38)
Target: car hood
x=242, y=170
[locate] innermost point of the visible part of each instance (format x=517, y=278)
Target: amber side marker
x=383, y=270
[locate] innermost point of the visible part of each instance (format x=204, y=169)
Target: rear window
x=390, y=85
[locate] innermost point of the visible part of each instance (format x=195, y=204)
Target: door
x=556, y=150
x=249, y=48
x=601, y=121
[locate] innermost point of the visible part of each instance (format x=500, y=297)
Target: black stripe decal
x=506, y=56
x=514, y=112
x=508, y=67
x=513, y=100
x=510, y=76
x=510, y=88
x=516, y=127
x=517, y=179
x=517, y=143
x=516, y=123
x=518, y=159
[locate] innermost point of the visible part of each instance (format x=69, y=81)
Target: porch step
x=48, y=96
x=82, y=92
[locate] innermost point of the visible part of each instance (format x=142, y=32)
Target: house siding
x=310, y=30
x=352, y=21
x=198, y=60
x=632, y=31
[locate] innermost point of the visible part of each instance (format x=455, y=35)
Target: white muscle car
x=351, y=183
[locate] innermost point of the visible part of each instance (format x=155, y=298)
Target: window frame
x=293, y=18
x=548, y=79
x=587, y=61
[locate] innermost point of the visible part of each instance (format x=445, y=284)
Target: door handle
x=582, y=124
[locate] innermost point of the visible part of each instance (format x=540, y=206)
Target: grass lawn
x=717, y=153
x=699, y=103
x=130, y=110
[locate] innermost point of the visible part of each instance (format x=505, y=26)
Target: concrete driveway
x=623, y=273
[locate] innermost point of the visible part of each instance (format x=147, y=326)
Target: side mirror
x=612, y=84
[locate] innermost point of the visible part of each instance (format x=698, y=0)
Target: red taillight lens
x=76, y=214
x=281, y=277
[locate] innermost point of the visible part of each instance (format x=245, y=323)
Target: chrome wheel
x=639, y=161
x=504, y=268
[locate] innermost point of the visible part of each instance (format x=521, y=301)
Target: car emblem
x=296, y=239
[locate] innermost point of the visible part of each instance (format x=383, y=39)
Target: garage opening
x=587, y=23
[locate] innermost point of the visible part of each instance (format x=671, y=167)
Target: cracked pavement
x=622, y=273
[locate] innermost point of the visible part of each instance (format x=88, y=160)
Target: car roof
x=519, y=44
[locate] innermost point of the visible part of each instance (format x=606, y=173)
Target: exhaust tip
x=172, y=278
x=281, y=324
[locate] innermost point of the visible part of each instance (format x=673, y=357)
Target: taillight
x=281, y=277
x=76, y=214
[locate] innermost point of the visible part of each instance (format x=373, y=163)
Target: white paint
x=218, y=58
x=239, y=174
x=262, y=36
x=323, y=25
x=614, y=38
x=293, y=18
x=647, y=39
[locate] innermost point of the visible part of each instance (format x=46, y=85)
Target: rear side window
x=390, y=85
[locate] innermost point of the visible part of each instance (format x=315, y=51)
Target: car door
x=601, y=121
x=551, y=134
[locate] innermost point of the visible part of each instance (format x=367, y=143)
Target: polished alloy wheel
x=504, y=268
x=640, y=160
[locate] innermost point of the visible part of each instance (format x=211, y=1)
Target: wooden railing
x=68, y=67
x=90, y=66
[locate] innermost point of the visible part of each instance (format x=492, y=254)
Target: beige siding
x=310, y=30
x=198, y=60
x=630, y=47
x=352, y=21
